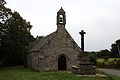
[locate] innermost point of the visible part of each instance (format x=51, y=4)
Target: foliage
x=104, y=54
x=114, y=52
x=15, y=36
x=110, y=63
x=2, y=2
x=101, y=54
x=20, y=73
x=92, y=55
x=115, y=49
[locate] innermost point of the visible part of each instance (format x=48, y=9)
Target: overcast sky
x=100, y=19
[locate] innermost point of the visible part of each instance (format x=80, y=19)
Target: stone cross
x=82, y=39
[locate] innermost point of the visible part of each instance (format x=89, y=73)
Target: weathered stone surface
x=85, y=67
x=84, y=70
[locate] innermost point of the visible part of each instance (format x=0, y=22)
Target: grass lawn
x=20, y=73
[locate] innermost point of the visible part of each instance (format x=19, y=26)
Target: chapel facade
x=56, y=51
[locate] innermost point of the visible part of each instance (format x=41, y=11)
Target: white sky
x=100, y=19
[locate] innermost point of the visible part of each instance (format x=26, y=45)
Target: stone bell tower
x=61, y=19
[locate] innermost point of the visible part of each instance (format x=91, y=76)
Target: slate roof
x=38, y=44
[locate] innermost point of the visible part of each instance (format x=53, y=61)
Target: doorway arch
x=62, y=63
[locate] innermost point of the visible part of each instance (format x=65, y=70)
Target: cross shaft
x=82, y=39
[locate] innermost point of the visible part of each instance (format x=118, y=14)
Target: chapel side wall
x=34, y=61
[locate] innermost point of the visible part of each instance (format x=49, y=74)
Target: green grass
x=20, y=73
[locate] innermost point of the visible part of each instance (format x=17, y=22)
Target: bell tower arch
x=61, y=19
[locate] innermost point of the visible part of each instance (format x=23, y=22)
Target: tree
x=103, y=53
x=2, y=2
x=15, y=36
x=4, y=15
x=115, y=48
x=118, y=46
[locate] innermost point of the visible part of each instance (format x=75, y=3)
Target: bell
x=61, y=19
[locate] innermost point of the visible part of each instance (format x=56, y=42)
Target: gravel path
x=111, y=71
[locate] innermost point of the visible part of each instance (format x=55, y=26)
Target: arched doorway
x=62, y=63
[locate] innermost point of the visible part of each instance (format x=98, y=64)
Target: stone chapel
x=56, y=51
